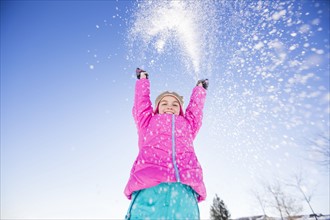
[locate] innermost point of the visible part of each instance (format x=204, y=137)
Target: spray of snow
x=269, y=69
x=164, y=25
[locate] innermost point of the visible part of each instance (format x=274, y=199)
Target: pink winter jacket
x=166, y=151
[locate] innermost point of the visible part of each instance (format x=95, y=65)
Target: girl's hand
x=203, y=83
x=141, y=74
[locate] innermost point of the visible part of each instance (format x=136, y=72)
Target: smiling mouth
x=169, y=112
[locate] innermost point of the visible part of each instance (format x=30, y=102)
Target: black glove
x=205, y=83
x=138, y=72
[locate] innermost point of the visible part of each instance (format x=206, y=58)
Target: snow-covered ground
x=297, y=217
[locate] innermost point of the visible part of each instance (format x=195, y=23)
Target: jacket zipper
x=173, y=150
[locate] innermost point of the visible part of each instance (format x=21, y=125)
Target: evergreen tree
x=219, y=210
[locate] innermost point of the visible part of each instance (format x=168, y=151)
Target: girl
x=166, y=180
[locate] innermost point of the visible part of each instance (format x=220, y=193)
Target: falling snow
x=267, y=65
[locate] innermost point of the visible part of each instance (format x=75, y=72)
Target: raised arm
x=142, y=108
x=194, y=111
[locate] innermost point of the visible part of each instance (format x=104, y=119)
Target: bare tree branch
x=298, y=183
x=277, y=197
x=319, y=149
x=260, y=199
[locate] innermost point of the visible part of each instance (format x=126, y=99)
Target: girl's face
x=169, y=105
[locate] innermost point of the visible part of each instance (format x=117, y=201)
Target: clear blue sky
x=68, y=139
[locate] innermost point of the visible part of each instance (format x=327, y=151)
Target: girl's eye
x=164, y=104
